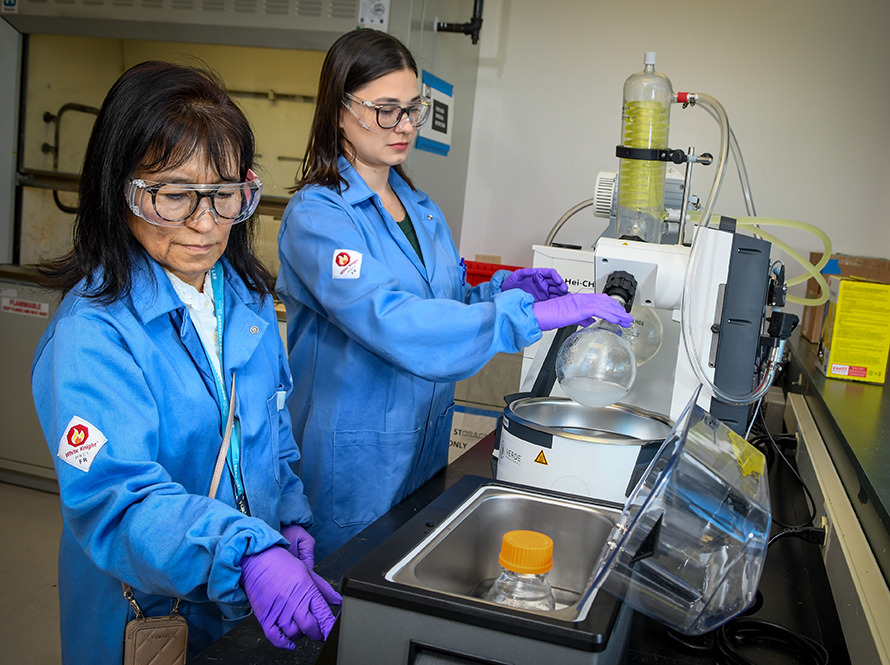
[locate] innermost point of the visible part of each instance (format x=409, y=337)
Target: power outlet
x=825, y=524
x=489, y=258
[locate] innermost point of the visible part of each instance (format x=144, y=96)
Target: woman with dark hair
x=381, y=321
x=162, y=367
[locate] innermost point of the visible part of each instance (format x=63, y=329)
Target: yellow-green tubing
x=813, y=270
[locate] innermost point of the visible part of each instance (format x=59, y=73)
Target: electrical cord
x=767, y=450
x=767, y=436
x=704, y=643
x=735, y=634
x=745, y=632
x=810, y=534
x=759, y=441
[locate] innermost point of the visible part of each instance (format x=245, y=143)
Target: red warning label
x=27, y=307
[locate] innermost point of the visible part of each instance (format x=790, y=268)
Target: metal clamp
x=131, y=598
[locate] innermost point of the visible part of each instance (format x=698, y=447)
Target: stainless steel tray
x=460, y=557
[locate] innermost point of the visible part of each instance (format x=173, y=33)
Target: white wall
x=453, y=58
x=805, y=84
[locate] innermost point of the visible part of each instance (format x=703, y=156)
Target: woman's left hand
x=289, y=599
x=541, y=283
x=302, y=545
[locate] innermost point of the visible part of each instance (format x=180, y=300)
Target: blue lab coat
x=137, y=372
x=375, y=354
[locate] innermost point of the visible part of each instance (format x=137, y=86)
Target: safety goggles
x=390, y=115
x=171, y=204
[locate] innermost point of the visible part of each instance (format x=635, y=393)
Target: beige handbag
x=155, y=640
x=164, y=640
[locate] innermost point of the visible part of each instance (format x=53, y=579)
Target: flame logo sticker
x=346, y=264
x=77, y=435
x=80, y=443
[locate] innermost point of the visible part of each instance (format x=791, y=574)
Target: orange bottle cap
x=527, y=552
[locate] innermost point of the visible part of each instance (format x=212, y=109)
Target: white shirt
x=200, y=306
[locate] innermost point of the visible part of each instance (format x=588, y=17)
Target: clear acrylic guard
x=689, y=547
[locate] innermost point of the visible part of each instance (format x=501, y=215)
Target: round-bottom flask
x=526, y=557
x=645, y=333
x=596, y=366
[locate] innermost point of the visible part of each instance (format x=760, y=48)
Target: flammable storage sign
x=14, y=305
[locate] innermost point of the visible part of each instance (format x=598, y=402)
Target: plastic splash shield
x=689, y=547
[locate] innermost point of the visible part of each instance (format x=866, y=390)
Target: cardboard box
x=856, y=334
x=469, y=427
x=849, y=266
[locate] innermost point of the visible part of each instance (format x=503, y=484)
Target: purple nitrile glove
x=302, y=545
x=542, y=283
x=288, y=599
x=579, y=308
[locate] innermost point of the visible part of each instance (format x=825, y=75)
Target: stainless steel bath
x=461, y=556
x=418, y=596
x=613, y=424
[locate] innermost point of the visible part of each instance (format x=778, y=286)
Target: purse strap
x=224, y=448
x=128, y=594
x=214, y=485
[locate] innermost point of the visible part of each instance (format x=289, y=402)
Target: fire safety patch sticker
x=80, y=443
x=347, y=264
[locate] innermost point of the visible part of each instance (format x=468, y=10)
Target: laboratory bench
x=836, y=594
x=854, y=418
x=843, y=454
x=795, y=590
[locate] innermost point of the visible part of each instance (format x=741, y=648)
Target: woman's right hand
x=288, y=599
x=579, y=308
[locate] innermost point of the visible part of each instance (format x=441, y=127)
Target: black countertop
x=858, y=415
x=795, y=590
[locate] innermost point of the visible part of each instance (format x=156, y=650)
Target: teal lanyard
x=233, y=456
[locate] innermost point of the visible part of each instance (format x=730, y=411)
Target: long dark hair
x=156, y=116
x=354, y=60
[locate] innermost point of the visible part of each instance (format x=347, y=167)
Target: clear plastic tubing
x=756, y=224
x=686, y=333
x=716, y=109
x=645, y=124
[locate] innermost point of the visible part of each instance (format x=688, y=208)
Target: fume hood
x=62, y=56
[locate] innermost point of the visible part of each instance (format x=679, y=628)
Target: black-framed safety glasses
x=389, y=116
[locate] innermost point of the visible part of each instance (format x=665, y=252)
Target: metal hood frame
x=295, y=24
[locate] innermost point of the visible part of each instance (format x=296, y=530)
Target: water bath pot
x=557, y=444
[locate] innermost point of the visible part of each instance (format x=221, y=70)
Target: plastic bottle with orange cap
x=526, y=558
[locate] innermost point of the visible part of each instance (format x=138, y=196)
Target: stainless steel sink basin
x=417, y=597
x=460, y=557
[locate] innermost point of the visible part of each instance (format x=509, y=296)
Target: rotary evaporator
x=707, y=299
